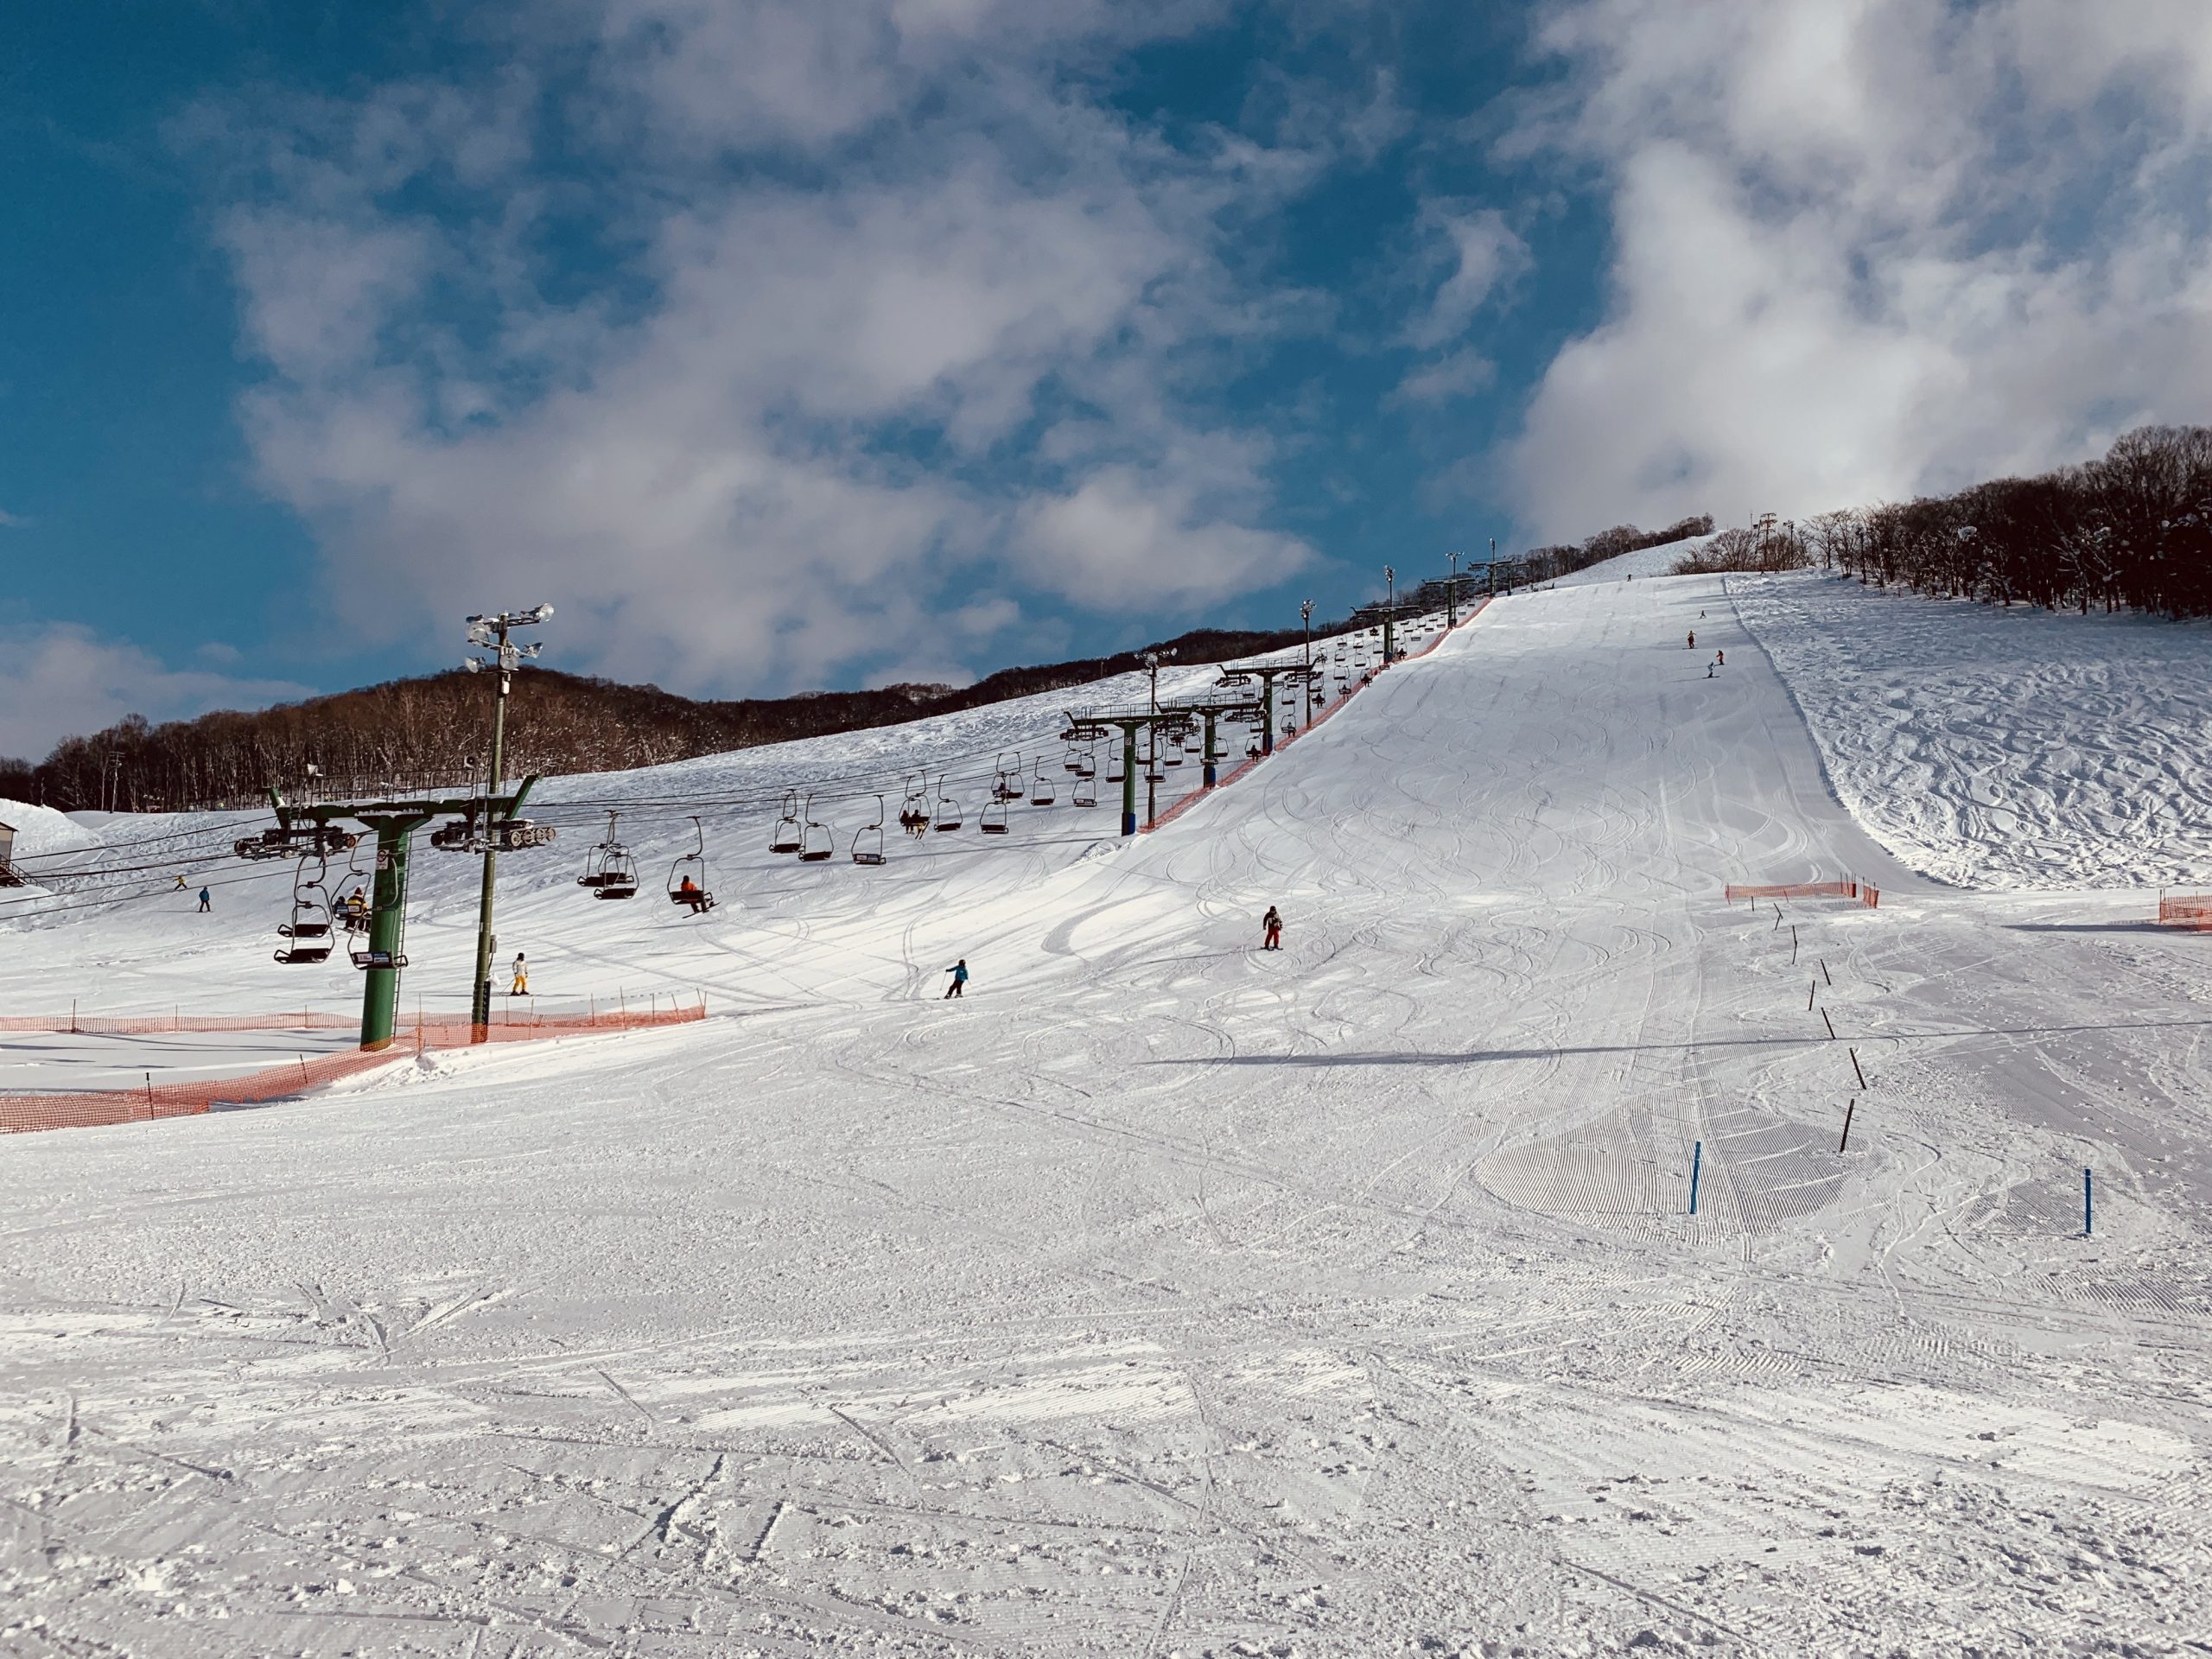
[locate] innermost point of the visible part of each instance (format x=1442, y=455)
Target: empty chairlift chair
x=948, y=809
x=818, y=843
x=609, y=870
x=789, y=835
x=687, y=877
x=307, y=936
x=867, y=841
x=1041, y=792
x=993, y=821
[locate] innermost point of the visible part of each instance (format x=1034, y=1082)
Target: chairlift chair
x=993, y=821
x=867, y=841
x=1040, y=787
x=948, y=809
x=788, y=835
x=687, y=877
x=1006, y=785
x=818, y=844
x=1174, y=756
x=308, y=931
x=914, y=809
x=1086, y=789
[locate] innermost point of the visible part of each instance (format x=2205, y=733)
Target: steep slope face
x=1166, y=1295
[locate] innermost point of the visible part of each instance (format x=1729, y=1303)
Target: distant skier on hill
x=1692, y=644
x=522, y=977
x=204, y=905
x=1272, y=925
x=959, y=986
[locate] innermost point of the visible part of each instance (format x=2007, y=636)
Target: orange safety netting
x=1796, y=890
x=91, y=1108
x=2187, y=910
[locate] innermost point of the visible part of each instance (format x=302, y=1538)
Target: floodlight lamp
x=472, y=664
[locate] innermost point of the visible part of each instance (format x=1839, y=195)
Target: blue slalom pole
x=1697, y=1161
x=2088, y=1206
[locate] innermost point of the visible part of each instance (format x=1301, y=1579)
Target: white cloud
x=788, y=426
x=1122, y=531
x=1866, y=249
x=1457, y=374
x=60, y=680
x=1483, y=253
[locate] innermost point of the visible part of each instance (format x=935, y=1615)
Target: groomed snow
x=1166, y=1296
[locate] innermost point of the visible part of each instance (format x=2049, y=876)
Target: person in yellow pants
x=522, y=977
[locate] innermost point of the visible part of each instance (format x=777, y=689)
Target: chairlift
x=687, y=877
x=309, y=929
x=1074, y=760
x=867, y=841
x=948, y=809
x=993, y=821
x=818, y=843
x=1174, y=756
x=1006, y=785
x=1114, y=768
x=914, y=809
x=788, y=835
x=355, y=911
x=610, y=872
x=1086, y=789
x=1040, y=787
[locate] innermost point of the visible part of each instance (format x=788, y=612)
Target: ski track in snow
x=2002, y=748
x=1165, y=1297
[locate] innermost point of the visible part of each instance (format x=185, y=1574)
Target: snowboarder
x=959, y=986
x=1720, y=659
x=522, y=977
x=204, y=905
x=1708, y=670
x=1692, y=644
x=1272, y=923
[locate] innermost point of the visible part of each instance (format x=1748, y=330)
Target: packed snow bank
x=2007, y=748
x=42, y=830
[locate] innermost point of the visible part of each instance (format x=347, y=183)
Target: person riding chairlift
x=691, y=893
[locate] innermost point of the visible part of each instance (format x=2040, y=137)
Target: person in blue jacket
x=959, y=986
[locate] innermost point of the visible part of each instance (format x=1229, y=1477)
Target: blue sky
x=783, y=344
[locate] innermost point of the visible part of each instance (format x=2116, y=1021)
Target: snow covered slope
x=1997, y=748
x=1166, y=1296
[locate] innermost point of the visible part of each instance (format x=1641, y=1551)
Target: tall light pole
x=1452, y=596
x=491, y=632
x=1306, y=615
x=1390, y=616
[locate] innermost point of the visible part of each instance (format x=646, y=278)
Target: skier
x=1720, y=659
x=181, y=884
x=357, y=905
x=1708, y=670
x=959, y=986
x=522, y=977
x=1692, y=644
x=1272, y=922
x=204, y=905
x=692, y=894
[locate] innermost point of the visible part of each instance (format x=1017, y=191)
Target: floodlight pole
x=1129, y=777
x=1390, y=616
x=1452, y=596
x=1493, y=567
x=1306, y=615
x=491, y=631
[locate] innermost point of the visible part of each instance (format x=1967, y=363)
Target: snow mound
x=2001, y=748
